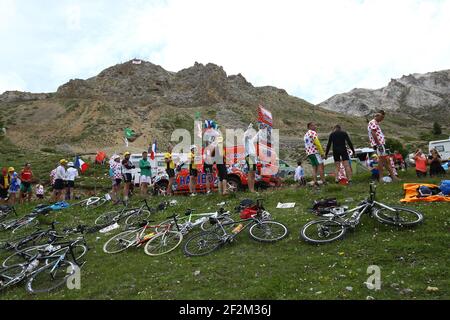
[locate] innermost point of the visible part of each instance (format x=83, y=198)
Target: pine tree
x=437, y=130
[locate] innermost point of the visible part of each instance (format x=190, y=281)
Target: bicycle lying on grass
x=5, y=211
x=261, y=228
x=45, y=271
x=334, y=227
x=92, y=202
x=185, y=224
x=35, y=238
x=131, y=216
x=158, y=239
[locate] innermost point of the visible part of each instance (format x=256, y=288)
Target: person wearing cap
x=5, y=181
x=26, y=177
x=116, y=176
x=71, y=175
x=170, y=169
x=193, y=171
x=127, y=172
x=14, y=186
x=145, y=178
x=60, y=178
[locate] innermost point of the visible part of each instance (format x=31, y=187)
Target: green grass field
x=290, y=269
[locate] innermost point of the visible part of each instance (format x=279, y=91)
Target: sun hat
x=63, y=161
x=11, y=169
x=70, y=164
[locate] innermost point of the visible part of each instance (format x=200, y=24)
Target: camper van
x=442, y=146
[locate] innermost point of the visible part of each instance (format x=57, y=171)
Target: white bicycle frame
x=188, y=225
x=360, y=210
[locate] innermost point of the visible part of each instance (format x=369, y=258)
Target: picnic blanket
x=412, y=195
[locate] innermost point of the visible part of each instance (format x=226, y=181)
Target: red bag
x=248, y=213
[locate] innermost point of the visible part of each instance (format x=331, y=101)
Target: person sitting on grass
x=421, y=164
x=435, y=162
x=299, y=176
x=374, y=168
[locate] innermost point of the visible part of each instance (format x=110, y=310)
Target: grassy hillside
x=291, y=269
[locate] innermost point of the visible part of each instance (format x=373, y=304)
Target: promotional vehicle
x=442, y=146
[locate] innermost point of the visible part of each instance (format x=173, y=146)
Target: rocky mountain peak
x=411, y=94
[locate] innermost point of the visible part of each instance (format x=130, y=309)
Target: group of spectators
x=342, y=147
x=62, y=180
x=121, y=172
x=433, y=160
x=17, y=187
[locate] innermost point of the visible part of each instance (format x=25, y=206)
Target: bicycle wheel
x=208, y=226
x=322, y=231
x=402, y=217
x=50, y=277
x=202, y=244
x=268, y=231
x=22, y=256
x=79, y=251
x=11, y=275
x=26, y=225
x=139, y=216
x=121, y=242
x=106, y=218
x=163, y=243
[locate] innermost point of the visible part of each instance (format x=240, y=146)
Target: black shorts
x=208, y=168
x=40, y=196
x=170, y=173
x=127, y=177
x=117, y=182
x=3, y=193
x=71, y=184
x=193, y=172
x=59, y=185
x=340, y=155
x=251, y=166
x=222, y=171
x=421, y=174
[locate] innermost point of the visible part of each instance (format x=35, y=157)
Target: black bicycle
x=260, y=226
x=334, y=225
x=35, y=238
x=131, y=216
x=47, y=270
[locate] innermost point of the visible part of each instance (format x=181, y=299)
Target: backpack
x=424, y=191
x=319, y=205
x=445, y=187
x=246, y=203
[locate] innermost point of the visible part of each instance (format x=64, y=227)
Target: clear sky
x=313, y=49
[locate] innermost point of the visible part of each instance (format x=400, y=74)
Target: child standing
x=14, y=186
x=40, y=191
x=299, y=176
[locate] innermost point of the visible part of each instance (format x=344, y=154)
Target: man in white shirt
x=60, y=177
x=250, y=137
x=71, y=175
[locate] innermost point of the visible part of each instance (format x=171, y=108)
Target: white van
x=442, y=146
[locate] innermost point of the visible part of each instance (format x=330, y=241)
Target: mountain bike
x=260, y=226
x=334, y=227
x=45, y=271
x=186, y=223
x=156, y=242
x=130, y=215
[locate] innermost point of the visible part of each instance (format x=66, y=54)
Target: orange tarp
x=411, y=193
